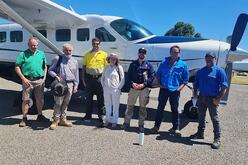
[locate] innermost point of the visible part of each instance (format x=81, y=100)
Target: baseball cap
x=142, y=50
x=212, y=54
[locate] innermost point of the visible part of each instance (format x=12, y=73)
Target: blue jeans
x=204, y=103
x=164, y=95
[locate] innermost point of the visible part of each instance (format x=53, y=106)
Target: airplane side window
x=63, y=35
x=43, y=32
x=3, y=36
x=104, y=35
x=83, y=34
x=16, y=36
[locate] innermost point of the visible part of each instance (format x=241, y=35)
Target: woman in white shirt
x=112, y=81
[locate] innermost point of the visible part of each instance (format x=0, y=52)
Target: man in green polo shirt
x=31, y=68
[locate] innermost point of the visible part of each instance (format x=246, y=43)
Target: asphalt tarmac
x=85, y=143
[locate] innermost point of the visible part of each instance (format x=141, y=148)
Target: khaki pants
x=61, y=103
x=133, y=95
x=37, y=87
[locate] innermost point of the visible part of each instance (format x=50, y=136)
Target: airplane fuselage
x=125, y=44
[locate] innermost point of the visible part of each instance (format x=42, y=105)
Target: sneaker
x=216, y=144
x=197, y=135
x=154, y=130
x=176, y=133
x=141, y=129
x=42, y=118
x=23, y=122
x=65, y=123
x=86, y=118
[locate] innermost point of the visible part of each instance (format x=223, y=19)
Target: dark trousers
x=205, y=103
x=94, y=87
x=164, y=95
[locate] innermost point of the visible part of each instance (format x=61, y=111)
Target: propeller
x=238, y=30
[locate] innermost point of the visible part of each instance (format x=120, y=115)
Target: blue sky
x=214, y=19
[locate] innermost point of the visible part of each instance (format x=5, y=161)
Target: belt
x=94, y=76
x=33, y=78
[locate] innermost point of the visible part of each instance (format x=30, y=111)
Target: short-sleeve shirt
x=32, y=64
x=97, y=62
x=209, y=81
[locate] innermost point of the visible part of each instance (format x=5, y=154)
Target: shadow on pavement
x=9, y=109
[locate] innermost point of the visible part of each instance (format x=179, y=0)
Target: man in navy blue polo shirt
x=173, y=75
x=211, y=83
x=140, y=75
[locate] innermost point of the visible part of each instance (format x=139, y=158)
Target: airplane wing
x=44, y=14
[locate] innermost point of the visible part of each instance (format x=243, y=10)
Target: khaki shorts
x=37, y=87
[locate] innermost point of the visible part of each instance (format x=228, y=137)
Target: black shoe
x=23, y=122
x=86, y=118
x=125, y=126
x=101, y=124
x=176, y=132
x=141, y=129
x=42, y=118
x=216, y=144
x=197, y=135
x=100, y=120
x=154, y=130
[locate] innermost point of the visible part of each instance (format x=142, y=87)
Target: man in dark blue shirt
x=140, y=75
x=173, y=75
x=211, y=83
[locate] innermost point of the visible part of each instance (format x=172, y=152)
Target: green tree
x=183, y=29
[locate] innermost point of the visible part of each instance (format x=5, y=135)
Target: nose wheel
x=190, y=110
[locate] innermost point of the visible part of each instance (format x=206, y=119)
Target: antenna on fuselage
x=72, y=9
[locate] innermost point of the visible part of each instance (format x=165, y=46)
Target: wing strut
x=12, y=14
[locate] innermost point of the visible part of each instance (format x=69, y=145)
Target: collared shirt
x=32, y=64
x=209, y=81
x=113, y=77
x=141, y=73
x=68, y=69
x=172, y=77
x=95, y=63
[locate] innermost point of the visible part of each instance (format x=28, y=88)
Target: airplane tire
x=190, y=111
x=32, y=106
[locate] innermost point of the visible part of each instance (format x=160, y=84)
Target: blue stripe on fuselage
x=169, y=39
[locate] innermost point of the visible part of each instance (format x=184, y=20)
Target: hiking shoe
x=65, y=123
x=42, y=118
x=86, y=118
x=176, y=132
x=125, y=126
x=154, y=130
x=23, y=122
x=197, y=135
x=216, y=144
x=54, y=125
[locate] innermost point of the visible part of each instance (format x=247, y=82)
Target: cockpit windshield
x=129, y=29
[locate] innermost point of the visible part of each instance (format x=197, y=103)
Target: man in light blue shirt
x=173, y=75
x=211, y=83
x=65, y=69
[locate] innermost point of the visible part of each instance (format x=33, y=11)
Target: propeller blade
x=238, y=30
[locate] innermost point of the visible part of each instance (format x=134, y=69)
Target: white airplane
x=241, y=65
x=55, y=25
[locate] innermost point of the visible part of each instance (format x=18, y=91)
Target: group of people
x=103, y=76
